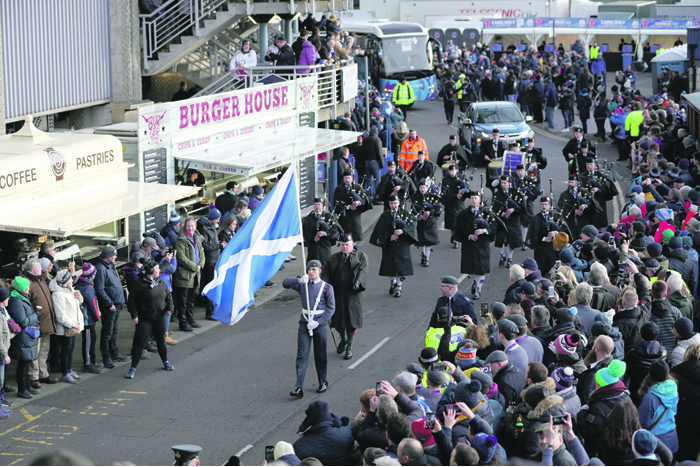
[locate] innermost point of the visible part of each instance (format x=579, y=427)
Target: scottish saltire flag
x=387, y=109
x=257, y=251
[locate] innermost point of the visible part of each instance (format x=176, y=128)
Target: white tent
x=675, y=54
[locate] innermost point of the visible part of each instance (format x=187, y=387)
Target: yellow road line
x=132, y=392
x=26, y=414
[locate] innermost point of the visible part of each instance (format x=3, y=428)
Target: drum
x=495, y=169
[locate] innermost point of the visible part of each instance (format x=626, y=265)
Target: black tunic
x=508, y=229
x=599, y=215
x=396, y=255
x=453, y=204
x=419, y=171
x=321, y=249
x=389, y=181
x=568, y=205
x=350, y=220
x=476, y=255
x=460, y=156
x=531, y=190
x=544, y=251
x=427, y=229
x=574, y=147
x=342, y=275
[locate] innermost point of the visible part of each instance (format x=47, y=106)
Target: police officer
x=403, y=96
x=186, y=454
x=318, y=306
x=346, y=271
x=320, y=232
x=458, y=305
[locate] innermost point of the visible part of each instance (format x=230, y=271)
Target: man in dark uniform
x=320, y=232
x=508, y=207
x=573, y=147
x=472, y=229
x=186, y=454
x=533, y=155
x=394, y=182
x=346, y=271
x=456, y=302
x=452, y=153
x=541, y=234
x=351, y=201
x=317, y=308
x=394, y=234
x=574, y=207
x=452, y=199
x=594, y=183
x=493, y=148
x=427, y=202
x=421, y=169
x=530, y=190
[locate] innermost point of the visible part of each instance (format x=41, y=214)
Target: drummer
x=493, y=148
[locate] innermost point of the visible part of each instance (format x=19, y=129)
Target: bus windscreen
x=402, y=54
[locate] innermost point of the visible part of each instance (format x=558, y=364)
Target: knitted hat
x=428, y=355
x=45, y=262
x=485, y=446
x=283, y=448
x=638, y=244
x=136, y=256
x=20, y=284
x=88, y=270
x=611, y=374
x=560, y=240
x=644, y=444
x=535, y=394
x=684, y=328
x=675, y=242
x=4, y=294
x=257, y=190
x=466, y=356
x=649, y=331
x=62, y=277
x=590, y=231
x=468, y=392
x=600, y=328
x=316, y=412
x=601, y=252
x=567, y=256
x=563, y=315
x=566, y=343
x=108, y=251
x=563, y=377
x=530, y=264
x=658, y=371
x=654, y=250
x=213, y=213
x=174, y=217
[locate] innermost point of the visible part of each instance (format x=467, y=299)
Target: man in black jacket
x=207, y=227
x=227, y=200
x=509, y=378
x=374, y=162
x=285, y=55
x=493, y=148
x=110, y=298
x=299, y=43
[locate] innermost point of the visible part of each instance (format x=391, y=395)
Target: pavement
x=229, y=392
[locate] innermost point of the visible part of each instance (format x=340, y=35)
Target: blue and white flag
x=256, y=251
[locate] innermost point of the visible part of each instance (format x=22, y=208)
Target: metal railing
x=330, y=80
x=173, y=19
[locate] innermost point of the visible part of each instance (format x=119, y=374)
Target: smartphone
x=270, y=453
x=551, y=292
x=429, y=421
x=559, y=419
x=378, y=388
x=438, y=366
x=484, y=309
x=71, y=259
x=621, y=269
x=611, y=243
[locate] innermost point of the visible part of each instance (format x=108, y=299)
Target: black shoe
x=341, y=347
x=210, y=318
x=24, y=395
x=268, y=284
x=322, y=388
x=509, y=263
x=109, y=364
x=348, y=353
x=7, y=403
x=195, y=324
x=502, y=261
x=397, y=292
x=91, y=369
x=186, y=328
x=151, y=347
x=474, y=288
x=524, y=248
x=120, y=358
x=455, y=245
x=392, y=289
x=298, y=393
x=33, y=390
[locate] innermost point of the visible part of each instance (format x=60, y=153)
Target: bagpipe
x=357, y=193
x=431, y=199
x=322, y=225
x=557, y=219
x=462, y=181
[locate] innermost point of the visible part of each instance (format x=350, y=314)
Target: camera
x=558, y=419
x=270, y=453
x=378, y=388
x=438, y=366
x=429, y=421
x=484, y=309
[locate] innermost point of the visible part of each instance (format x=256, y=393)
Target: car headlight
x=484, y=135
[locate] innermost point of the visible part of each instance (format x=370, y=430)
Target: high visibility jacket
x=403, y=94
x=460, y=85
x=633, y=122
x=594, y=52
x=409, y=151
x=433, y=336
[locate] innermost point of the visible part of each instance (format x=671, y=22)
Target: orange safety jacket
x=409, y=151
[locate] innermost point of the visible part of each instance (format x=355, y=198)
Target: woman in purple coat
x=307, y=57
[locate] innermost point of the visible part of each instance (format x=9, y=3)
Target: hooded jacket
x=571, y=401
x=593, y=417
x=67, y=308
x=680, y=301
x=528, y=442
x=639, y=360
x=328, y=442
x=87, y=290
x=586, y=383
x=688, y=376
x=665, y=315
x=627, y=322
x=307, y=56
x=679, y=351
x=679, y=261
x=22, y=347
x=660, y=403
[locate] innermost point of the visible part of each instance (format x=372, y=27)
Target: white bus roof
x=384, y=29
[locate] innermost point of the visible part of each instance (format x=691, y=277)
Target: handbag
x=70, y=332
x=33, y=331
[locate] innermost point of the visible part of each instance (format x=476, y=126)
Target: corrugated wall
x=56, y=54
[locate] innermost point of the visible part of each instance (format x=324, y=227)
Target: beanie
x=684, y=328
x=566, y=343
x=611, y=374
x=535, y=394
x=21, y=284
x=485, y=446
x=466, y=356
x=658, y=371
x=257, y=190
x=468, y=392
x=174, y=217
x=4, y=294
x=88, y=270
x=283, y=448
x=213, y=213
x=649, y=331
x=601, y=252
x=638, y=244
x=44, y=264
x=644, y=444
x=654, y=250
x=563, y=377
x=600, y=328
x=666, y=237
x=675, y=242
x=63, y=277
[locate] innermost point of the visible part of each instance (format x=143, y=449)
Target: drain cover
x=285, y=298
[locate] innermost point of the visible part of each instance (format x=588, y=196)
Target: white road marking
x=367, y=355
x=461, y=278
x=244, y=450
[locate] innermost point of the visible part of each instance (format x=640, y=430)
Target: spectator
x=539, y=325
x=307, y=56
x=244, y=58
x=69, y=320
x=85, y=285
x=639, y=359
x=5, y=336
x=564, y=381
x=284, y=56
x=664, y=315
x=190, y=258
x=509, y=378
x=677, y=297
x=532, y=346
x=657, y=412
x=171, y=230
x=687, y=373
x=110, y=299
x=683, y=330
x=23, y=347
x=225, y=202
x=324, y=436
x=206, y=226
x=584, y=295
x=299, y=43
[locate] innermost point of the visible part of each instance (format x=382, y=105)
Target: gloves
x=304, y=279
x=532, y=167
x=312, y=325
x=356, y=286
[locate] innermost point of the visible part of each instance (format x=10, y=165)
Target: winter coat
x=396, y=255
x=371, y=434
x=167, y=269
x=586, y=382
x=665, y=315
x=147, y=302
x=285, y=56
x=342, y=275
x=476, y=255
x=512, y=295
x=587, y=316
x=681, y=347
x=679, y=261
x=627, y=321
x=532, y=347
x=681, y=302
x=593, y=417
x=482, y=410
x=87, y=290
x=108, y=286
x=169, y=234
x=688, y=376
x=40, y=295
x=186, y=274
x=328, y=442
x=584, y=108
x=528, y=441
x=23, y=347
x=307, y=56
x=639, y=360
x=210, y=242
x=511, y=382
x=571, y=401
x=659, y=406
x=5, y=334
x=67, y=307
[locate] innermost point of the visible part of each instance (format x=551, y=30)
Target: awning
x=255, y=155
x=88, y=209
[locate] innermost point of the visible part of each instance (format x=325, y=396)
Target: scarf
x=492, y=391
x=20, y=295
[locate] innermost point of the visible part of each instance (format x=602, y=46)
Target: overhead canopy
x=88, y=209
x=675, y=54
x=255, y=155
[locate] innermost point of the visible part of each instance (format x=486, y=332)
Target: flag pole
x=306, y=311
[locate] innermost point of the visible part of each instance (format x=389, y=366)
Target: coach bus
x=396, y=49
